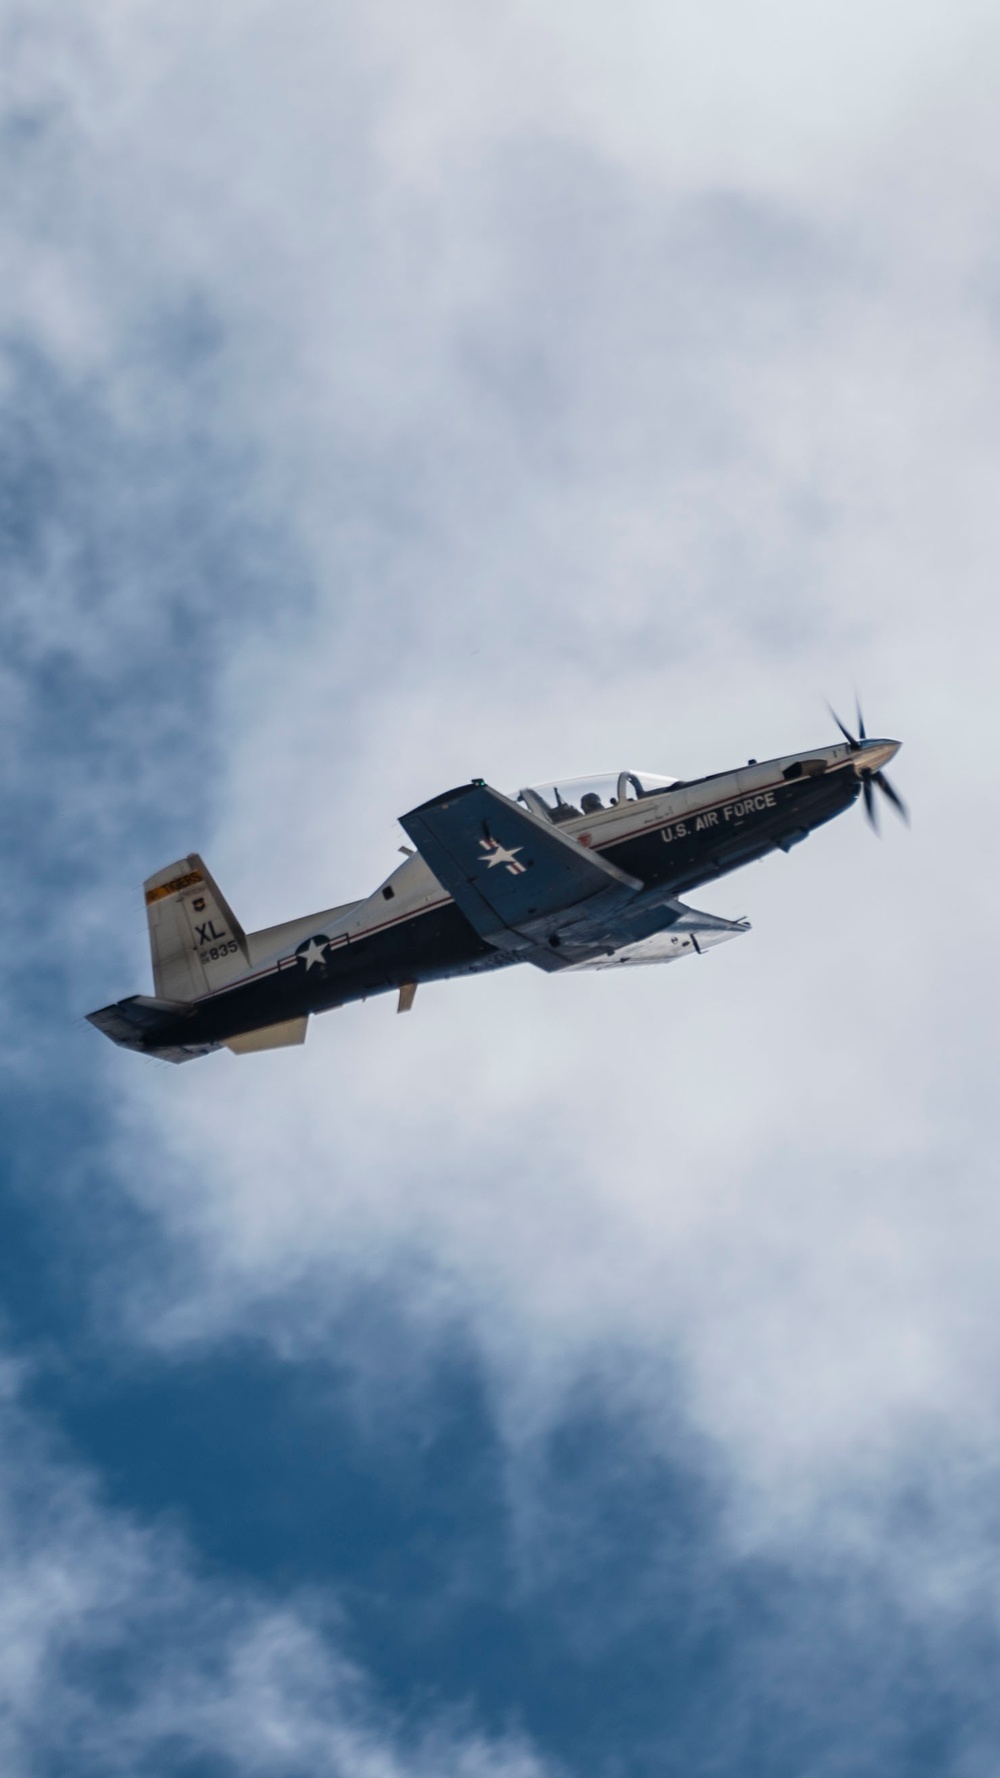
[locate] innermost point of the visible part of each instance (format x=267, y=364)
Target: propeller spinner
x=870, y=775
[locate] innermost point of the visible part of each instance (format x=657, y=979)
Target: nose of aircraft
x=873, y=755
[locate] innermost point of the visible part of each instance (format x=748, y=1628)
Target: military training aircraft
x=583, y=874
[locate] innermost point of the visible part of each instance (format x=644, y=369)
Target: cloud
x=118, y=1653
x=567, y=396
x=587, y=438
x=779, y=103
x=678, y=454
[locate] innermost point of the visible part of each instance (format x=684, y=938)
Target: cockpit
x=571, y=798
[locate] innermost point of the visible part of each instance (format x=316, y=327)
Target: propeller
x=868, y=778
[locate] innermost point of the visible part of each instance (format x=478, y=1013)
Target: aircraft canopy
x=569, y=798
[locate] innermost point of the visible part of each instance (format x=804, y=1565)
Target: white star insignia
x=313, y=953
x=503, y=855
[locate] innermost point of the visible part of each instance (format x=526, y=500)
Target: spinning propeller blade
x=870, y=779
x=852, y=743
x=893, y=795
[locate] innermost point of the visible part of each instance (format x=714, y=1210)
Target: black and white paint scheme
x=583, y=874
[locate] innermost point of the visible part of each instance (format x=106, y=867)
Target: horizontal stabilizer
x=134, y=1020
x=517, y=879
x=151, y=1026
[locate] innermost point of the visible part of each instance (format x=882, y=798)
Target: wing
x=519, y=882
x=663, y=934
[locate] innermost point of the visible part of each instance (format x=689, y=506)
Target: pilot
x=591, y=802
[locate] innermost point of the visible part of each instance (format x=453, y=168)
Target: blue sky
x=582, y=1379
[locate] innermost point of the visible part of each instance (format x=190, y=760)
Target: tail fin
x=196, y=940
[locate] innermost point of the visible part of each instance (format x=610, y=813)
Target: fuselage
x=410, y=930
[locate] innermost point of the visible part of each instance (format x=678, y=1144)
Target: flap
x=517, y=879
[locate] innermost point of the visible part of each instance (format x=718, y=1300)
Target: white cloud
x=116, y=1654
x=615, y=422
x=777, y=99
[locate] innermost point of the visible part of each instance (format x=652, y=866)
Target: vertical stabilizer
x=195, y=938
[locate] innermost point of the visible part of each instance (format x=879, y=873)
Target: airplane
x=569, y=875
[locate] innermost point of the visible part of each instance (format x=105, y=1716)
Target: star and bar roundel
x=313, y=951
x=506, y=855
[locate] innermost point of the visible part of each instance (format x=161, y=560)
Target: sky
x=587, y=1378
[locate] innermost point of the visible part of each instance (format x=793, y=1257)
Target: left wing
x=519, y=881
